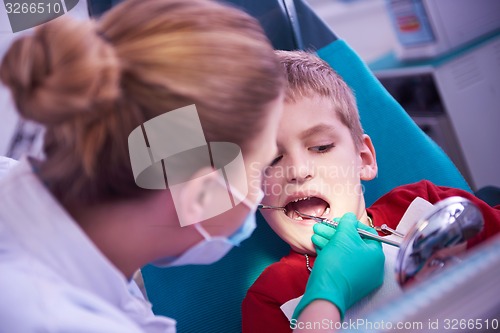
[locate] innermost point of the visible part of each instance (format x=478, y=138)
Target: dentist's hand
x=347, y=268
x=324, y=232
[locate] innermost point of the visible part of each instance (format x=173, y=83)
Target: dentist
x=75, y=226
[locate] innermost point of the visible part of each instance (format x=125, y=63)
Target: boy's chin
x=304, y=249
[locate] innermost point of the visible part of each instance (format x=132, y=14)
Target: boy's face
x=318, y=171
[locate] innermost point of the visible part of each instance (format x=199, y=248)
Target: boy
x=323, y=156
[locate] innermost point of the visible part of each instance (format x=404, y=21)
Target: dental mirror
x=438, y=239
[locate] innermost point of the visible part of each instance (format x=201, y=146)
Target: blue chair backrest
x=208, y=298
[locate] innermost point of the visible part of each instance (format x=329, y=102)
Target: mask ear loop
x=260, y=196
x=202, y=231
x=244, y=200
x=236, y=194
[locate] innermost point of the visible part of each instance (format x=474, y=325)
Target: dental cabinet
x=455, y=99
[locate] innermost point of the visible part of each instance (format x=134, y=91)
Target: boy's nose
x=299, y=171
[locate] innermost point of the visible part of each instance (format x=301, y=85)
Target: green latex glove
x=323, y=232
x=346, y=269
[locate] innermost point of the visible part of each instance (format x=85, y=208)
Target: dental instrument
x=385, y=228
x=438, y=239
x=435, y=241
x=261, y=206
x=365, y=234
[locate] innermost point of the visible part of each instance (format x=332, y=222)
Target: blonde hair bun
x=91, y=84
x=62, y=70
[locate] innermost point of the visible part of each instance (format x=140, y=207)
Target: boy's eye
x=276, y=160
x=267, y=170
x=322, y=148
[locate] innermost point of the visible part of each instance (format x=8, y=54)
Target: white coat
x=52, y=277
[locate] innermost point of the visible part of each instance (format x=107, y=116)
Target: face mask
x=212, y=249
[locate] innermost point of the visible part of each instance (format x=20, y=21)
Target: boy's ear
x=369, y=166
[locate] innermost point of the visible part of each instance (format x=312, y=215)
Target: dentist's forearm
x=321, y=314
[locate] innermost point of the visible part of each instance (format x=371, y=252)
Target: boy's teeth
x=300, y=199
x=314, y=206
x=327, y=211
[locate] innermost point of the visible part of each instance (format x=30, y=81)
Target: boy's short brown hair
x=308, y=75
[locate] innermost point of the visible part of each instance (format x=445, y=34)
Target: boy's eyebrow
x=315, y=129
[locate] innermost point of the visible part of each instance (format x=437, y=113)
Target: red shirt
x=287, y=279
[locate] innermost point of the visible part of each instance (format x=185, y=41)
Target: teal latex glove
x=346, y=269
x=323, y=232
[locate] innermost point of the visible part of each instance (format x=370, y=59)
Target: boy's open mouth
x=308, y=205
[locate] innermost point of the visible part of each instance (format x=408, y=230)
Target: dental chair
x=208, y=298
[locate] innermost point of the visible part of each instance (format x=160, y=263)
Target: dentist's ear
x=369, y=166
x=196, y=196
